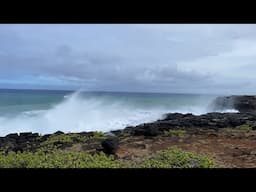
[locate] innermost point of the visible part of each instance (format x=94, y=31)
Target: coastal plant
x=57, y=159
x=174, y=132
x=99, y=135
x=244, y=127
x=170, y=158
x=177, y=158
x=57, y=141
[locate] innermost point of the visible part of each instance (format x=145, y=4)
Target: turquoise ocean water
x=46, y=111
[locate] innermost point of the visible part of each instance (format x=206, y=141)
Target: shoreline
x=227, y=138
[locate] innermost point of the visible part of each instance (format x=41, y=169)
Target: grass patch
x=170, y=158
x=174, y=132
x=57, y=159
x=177, y=158
x=57, y=141
x=244, y=127
x=67, y=140
x=99, y=135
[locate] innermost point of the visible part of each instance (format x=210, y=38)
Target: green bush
x=57, y=159
x=171, y=158
x=57, y=141
x=176, y=158
x=244, y=127
x=99, y=135
x=174, y=132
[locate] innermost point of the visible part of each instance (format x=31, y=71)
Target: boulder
x=188, y=121
x=147, y=130
x=58, y=133
x=25, y=134
x=116, y=132
x=13, y=136
x=242, y=103
x=110, y=145
x=45, y=137
x=253, y=126
x=87, y=134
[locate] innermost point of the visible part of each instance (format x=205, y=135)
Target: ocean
x=45, y=111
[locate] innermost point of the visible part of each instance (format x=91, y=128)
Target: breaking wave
x=77, y=113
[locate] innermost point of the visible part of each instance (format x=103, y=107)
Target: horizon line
x=103, y=91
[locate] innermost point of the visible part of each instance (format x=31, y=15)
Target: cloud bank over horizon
x=177, y=58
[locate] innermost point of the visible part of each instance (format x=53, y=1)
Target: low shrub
x=170, y=158
x=174, y=132
x=57, y=159
x=177, y=158
x=244, y=127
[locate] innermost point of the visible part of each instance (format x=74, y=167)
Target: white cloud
x=162, y=58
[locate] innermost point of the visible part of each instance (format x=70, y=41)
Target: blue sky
x=193, y=58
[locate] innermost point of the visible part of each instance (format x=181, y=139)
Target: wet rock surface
x=21, y=142
x=189, y=121
x=230, y=138
x=172, y=121
x=242, y=103
x=110, y=145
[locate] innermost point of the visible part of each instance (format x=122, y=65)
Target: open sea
x=45, y=111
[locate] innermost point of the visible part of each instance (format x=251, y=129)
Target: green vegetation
x=176, y=158
x=244, y=127
x=174, y=132
x=171, y=158
x=57, y=141
x=57, y=159
x=99, y=135
x=67, y=140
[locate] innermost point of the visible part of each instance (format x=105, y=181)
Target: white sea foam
x=77, y=114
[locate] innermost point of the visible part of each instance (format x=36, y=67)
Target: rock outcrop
x=110, y=145
x=191, y=122
x=15, y=142
x=244, y=103
x=172, y=121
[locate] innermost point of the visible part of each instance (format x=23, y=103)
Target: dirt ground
x=229, y=148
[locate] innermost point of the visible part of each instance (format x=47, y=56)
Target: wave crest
x=77, y=113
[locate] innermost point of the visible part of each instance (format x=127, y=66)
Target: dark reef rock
x=147, y=130
x=25, y=134
x=58, y=133
x=110, y=145
x=12, y=136
x=253, y=125
x=21, y=142
x=244, y=103
x=87, y=134
x=189, y=121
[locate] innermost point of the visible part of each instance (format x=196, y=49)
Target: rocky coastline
x=229, y=138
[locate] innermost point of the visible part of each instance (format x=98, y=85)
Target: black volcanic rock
x=244, y=103
x=13, y=136
x=253, y=125
x=87, y=134
x=147, y=130
x=58, y=133
x=189, y=121
x=110, y=145
x=25, y=134
x=21, y=142
x=117, y=132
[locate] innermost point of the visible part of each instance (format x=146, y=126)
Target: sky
x=174, y=58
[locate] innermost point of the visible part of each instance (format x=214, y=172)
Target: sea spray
x=102, y=112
